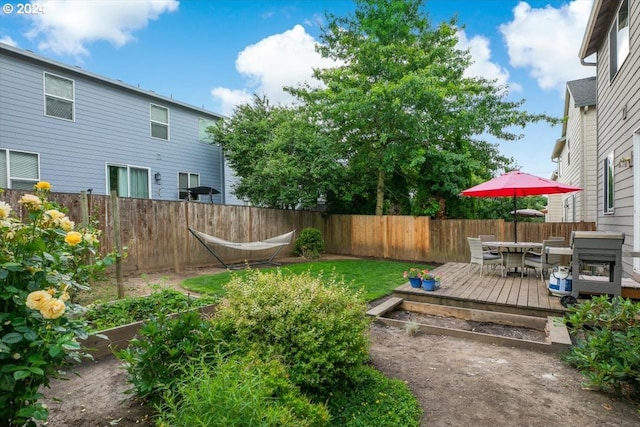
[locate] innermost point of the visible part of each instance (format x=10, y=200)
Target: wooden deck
x=512, y=294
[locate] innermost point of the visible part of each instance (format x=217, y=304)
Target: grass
x=377, y=277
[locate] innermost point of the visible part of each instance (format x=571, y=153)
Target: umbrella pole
x=515, y=220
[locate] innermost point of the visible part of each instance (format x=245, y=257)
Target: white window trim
x=151, y=122
x=120, y=165
x=608, y=165
x=612, y=55
x=189, y=174
x=45, y=95
x=9, y=177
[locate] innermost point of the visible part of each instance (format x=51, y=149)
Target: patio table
x=513, y=256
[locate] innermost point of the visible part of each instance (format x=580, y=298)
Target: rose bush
x=44, y=259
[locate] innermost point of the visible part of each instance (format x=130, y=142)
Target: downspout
x=583, y=158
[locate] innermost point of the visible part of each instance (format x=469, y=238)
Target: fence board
x=156, y=232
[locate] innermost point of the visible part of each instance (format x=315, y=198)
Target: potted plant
x=430, y=281
x=415, y=277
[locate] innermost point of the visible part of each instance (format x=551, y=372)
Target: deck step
x=386, y=306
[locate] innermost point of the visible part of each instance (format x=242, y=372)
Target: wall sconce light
x=625, y=162
x=158, y=177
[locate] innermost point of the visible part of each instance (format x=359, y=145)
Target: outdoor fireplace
x=597, y=247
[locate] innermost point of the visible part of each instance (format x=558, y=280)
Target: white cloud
x=8, y=40
x=279, y=60
x=68, y=25
x=546, y=41
x=482, y=66
x=229, y=98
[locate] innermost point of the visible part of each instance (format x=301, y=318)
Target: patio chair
x=480, y=256
x=544, y=261
x=488, y=238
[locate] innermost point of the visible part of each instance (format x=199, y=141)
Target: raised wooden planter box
x=118, y=338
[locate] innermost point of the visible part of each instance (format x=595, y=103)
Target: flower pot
x=429, y=285
x=416, y=282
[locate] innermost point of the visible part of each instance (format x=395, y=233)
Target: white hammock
x=271, y=243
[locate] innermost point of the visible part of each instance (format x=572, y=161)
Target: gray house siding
x=618, y=117
x=111, y=125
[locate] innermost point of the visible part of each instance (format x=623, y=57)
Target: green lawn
x=377, y=277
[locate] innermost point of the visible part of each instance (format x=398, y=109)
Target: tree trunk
x=380, y=192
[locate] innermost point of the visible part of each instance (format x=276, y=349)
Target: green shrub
x=135, y=309
x=317, y=327
x=239, y=392
x=371, y=399
x=607, y=334
x=154, y=361
x=310, y=243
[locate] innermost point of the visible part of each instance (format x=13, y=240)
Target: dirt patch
x=457, y=381
x=490, y=328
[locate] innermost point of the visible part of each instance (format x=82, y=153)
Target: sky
x=215, y=54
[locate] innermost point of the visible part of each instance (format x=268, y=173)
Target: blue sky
x=215, y=54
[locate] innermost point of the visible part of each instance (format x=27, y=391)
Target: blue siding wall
x=111, y=126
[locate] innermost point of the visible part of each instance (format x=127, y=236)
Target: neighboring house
x=81, y=131
x=613, y=34
x=575, y=156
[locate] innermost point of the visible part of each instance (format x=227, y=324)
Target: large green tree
x=404, y=111
x=283, y=159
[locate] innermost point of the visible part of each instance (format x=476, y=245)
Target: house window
x=19, y=170
x=159, y=122
x=608, y=184
x=128, y=181
x=187, y=180
x=619, y=39
x=203, y=124
x=58, y=97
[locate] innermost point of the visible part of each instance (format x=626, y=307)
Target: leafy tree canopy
x=283, y=159
x=404, y=108
x=396, y=127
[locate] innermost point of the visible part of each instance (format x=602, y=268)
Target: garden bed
x=535, y=333
x=167, y=302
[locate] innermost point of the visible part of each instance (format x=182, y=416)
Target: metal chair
x=480, y=256
x=544, y=260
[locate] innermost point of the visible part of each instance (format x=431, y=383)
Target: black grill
x=597, y=247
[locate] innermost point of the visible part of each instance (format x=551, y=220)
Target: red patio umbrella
x=518, y=184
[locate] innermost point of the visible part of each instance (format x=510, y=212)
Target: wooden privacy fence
x=155, y=233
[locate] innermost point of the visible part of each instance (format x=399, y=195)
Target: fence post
x=174, y=235
x=117, y=243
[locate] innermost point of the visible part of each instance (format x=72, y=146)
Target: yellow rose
x=53, y=309
x=51, y=291
x=37, y=299
x=66, y=224
x=43, y=186
x=54, y=214
x=90, y=238
x=5, y=210
x=73, y=238
x=31, y=202
x=64, y=296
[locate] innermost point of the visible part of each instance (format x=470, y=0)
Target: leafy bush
x=134, y=309
x=310, y=243
x=371, y=399
x=607, y=334
x=318, y=329
x=154, y=361
x=44, y=259
x=239, y=392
